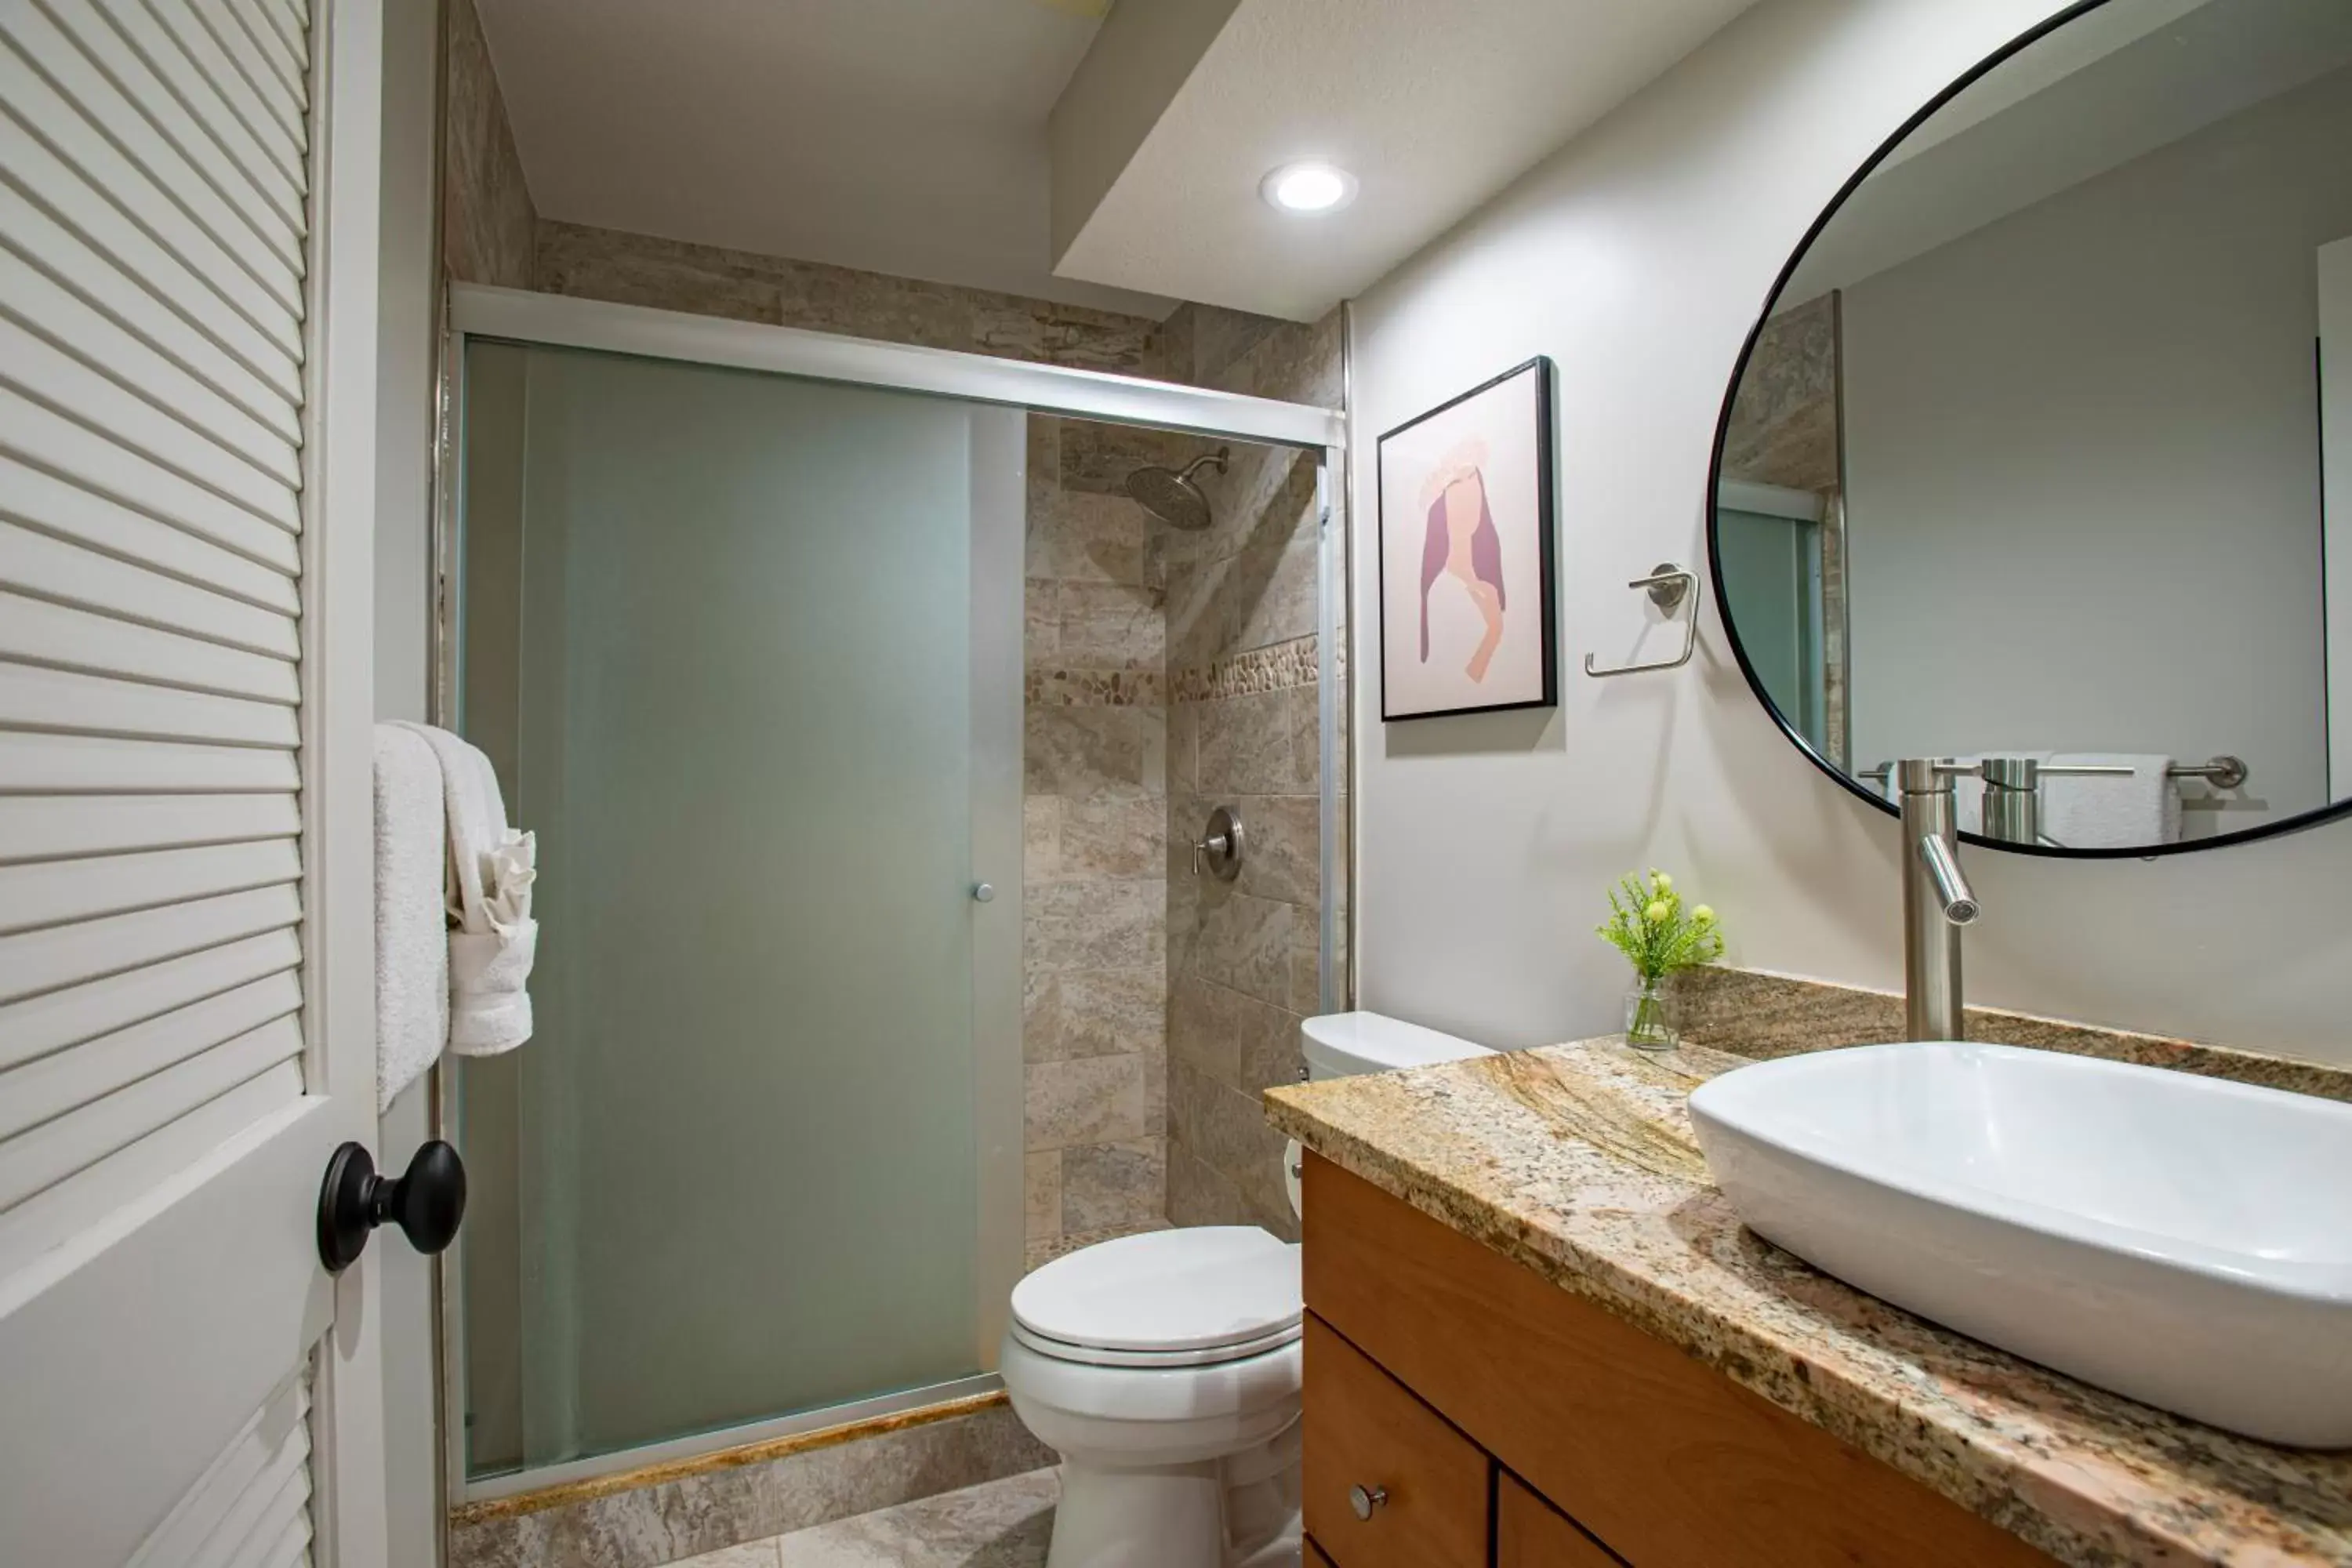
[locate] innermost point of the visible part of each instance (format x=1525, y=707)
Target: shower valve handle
x=1213, y=845
x=1220, y=845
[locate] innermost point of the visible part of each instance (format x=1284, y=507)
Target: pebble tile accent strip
x=1052, y=686
x=1282, y=668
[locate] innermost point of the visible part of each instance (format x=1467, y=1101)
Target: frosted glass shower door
x=1772, y=572
x=721, y=635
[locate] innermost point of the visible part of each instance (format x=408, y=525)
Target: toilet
x=1164, y=1368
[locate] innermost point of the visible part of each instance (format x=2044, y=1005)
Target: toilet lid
x=1197, y=1288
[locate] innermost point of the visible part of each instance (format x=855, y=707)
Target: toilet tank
x=1338, y=1045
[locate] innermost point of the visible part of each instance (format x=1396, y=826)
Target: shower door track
x=556, y=320
x=671, y=1451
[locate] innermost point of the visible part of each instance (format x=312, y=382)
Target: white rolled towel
x=489, y=1010
x=492, y=938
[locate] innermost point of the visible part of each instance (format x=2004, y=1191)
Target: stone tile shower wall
x=1243, y=731
x=672, y=275
x=488, y=226
x=1785, y=430
x=1095, y=914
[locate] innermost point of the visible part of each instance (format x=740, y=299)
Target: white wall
x=2083, y=467
x=1638, y=257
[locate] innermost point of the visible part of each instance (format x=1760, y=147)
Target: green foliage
x=1648, y=924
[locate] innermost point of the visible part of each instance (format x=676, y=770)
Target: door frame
x=2334, y=393
x=514, y=315
x=350, y=1506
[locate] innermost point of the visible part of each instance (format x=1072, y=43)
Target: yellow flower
x=1704, y=915
x=1656, y=913
x=1665, y=884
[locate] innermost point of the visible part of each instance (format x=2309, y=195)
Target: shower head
x=1176, y=498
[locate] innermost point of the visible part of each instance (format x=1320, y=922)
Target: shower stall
x=738, y=613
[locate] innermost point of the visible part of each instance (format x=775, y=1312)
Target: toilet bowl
x=1165, y=1367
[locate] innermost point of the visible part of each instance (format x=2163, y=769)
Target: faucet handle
x=1924, y=775
x=1935, y=767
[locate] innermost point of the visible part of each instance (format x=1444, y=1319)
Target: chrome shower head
x=1176, y=498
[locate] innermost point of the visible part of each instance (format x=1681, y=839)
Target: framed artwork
x=1467, y=599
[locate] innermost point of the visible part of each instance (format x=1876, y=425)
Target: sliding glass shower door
x=745, y=650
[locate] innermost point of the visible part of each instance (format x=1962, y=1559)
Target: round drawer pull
x=1363, y=1502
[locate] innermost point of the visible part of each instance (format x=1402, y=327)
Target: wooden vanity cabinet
x=1437, y=1369
x=1385, y=1473
x=1531, y=1533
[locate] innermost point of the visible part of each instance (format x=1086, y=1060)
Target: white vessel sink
x=2183, y=1240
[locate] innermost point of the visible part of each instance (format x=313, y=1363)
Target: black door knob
x=428, y=1200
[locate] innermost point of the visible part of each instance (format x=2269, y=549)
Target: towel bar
x=2224, y=771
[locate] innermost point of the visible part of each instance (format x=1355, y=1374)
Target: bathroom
x=942, y=913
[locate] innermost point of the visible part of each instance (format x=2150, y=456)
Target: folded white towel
x=411, y=950
x=492, y=938
x=2110, y=812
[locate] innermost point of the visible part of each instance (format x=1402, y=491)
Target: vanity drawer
x=1365, y=1429
x=1665, y=1461
x=1531, y=1533
x=1315, y=1558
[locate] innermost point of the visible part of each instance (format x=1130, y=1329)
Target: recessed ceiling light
x=1309, y=186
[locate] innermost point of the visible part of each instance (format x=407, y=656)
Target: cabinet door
x=1388, y=1483
x=1531, y=1533
x=1315, y=1558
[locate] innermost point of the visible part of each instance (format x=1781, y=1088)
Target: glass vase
x=1649, y=1016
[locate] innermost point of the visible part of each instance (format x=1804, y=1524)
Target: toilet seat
x=1099, y=1355
x=1199, y=1297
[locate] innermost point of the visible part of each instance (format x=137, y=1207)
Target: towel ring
x=1668, y=585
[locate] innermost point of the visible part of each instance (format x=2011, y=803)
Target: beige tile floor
x=1000, y=1524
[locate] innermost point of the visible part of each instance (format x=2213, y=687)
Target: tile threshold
x=1005, y=1523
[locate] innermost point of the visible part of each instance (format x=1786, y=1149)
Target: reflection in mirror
x=2029, y=459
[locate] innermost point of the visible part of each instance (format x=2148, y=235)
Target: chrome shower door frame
x=481, y=312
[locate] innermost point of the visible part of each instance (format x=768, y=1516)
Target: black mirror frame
x=1845, y=780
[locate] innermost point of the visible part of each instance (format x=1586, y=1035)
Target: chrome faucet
x=1937, y=901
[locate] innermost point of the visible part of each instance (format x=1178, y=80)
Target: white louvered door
x=188, y=211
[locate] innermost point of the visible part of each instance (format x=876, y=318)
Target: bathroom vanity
x=1537, y=1334
x=1588, y=1436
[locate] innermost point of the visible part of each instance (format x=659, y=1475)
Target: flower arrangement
x=1648, y=924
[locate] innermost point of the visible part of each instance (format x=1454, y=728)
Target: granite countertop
x=1579, y=1161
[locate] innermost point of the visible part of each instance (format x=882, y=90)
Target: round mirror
x=2040, y=458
